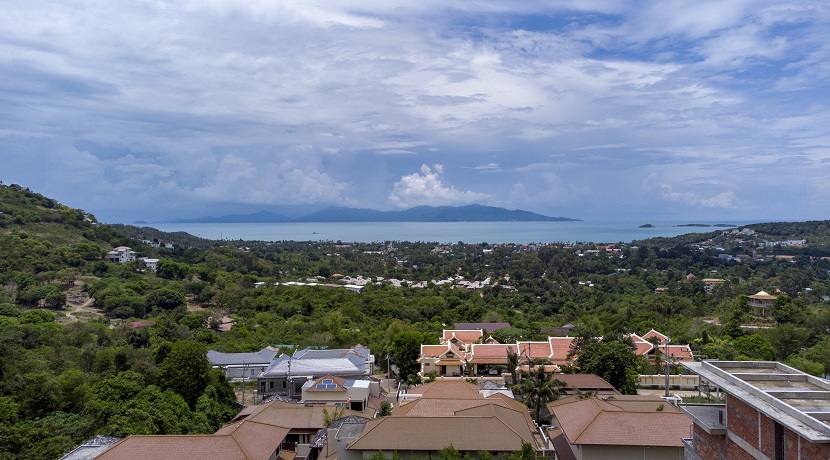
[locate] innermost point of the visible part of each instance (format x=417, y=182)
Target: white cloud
x=427, y=188
x=721, y=200
x=237, y=179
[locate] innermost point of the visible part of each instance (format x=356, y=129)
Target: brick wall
x=742, y=420
x=811, y=451
x=707, y=446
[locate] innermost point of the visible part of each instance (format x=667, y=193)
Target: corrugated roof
x=264, y=356
x=312, y=366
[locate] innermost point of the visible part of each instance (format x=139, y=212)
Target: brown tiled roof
x=447, y=389
x=295, y=416
x=244, y=441
x=435, y=433
x=625, y=423
x=584, y=382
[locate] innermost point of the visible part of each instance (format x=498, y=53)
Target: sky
x=596, y=110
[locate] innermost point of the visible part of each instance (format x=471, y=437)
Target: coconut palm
x=538, y=390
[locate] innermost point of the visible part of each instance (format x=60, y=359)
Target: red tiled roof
x=466, y=336
x=535, y=350
x=560, y=346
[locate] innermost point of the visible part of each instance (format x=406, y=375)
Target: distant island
x=646, y=226
x=707, y=225
x=469, y=213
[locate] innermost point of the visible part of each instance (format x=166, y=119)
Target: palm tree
x=512, y=364
x=538, y=390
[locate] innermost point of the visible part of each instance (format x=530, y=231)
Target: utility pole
x=667, y=357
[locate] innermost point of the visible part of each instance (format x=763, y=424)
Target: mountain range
x=469, y=213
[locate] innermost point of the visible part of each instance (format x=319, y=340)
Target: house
x=242, y=365
x=245, y=440
x=149, y=264
x=442, y=360
x=710, y=283
x=445, y=413
x=761, y=303
x=618, y=427
x=656, y=346
x=286, y=374
x=121, y=254
x=303, y=423
x=771, y=411
x=353, y=393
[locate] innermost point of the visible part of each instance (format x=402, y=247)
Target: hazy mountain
x=262, y=216
x=469, y=213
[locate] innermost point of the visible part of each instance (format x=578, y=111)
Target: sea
x=442, y=232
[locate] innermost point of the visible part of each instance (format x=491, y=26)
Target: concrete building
x=771, y=412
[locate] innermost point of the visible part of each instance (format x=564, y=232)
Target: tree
x=786, y=310
x=405, y=350
x=538, y=390
x=613, y=361
x=186, y=370
x=512, y=364
x=165, y=299
x=509, y=334
x=385, y=409
x=755, y=346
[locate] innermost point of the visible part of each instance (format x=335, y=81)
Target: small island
x=646, y=226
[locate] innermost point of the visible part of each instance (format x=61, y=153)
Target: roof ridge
x=593, y=419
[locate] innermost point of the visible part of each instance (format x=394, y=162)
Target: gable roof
x=245, y=440
x=535, y=350
x=652, y=333
x=485, y=353
x=463, y=335
x=336, y=384
x=585, y=382
x=434, y=433
x=624, y=423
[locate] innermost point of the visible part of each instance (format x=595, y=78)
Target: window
x=779, y=443
x=252, y=372
x=271, y=385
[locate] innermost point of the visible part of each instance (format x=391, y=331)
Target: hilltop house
x=121, y=254
x=761, y=303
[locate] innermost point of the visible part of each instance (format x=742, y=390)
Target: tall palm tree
x=512, y=364
x=538, y=390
